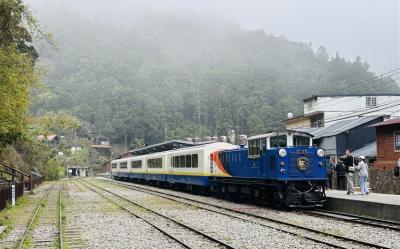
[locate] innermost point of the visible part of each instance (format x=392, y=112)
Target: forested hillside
x=174, y=76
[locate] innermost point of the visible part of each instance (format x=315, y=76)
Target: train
x=279, y=168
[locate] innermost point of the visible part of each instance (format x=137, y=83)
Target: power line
x=374, y=78
x=374, y=109
x=327, y=101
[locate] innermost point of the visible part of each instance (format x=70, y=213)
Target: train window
x=123, y=165
x=114, y=165
x=188, y=161
x=136, y=164
x=154, y=163
x=182, y=161
x=278, y=141
x=301, y=141
x=254, y=147
x=195, y=161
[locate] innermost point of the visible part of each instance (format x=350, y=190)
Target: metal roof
x=169, y=145
x=262, y=135
x=338, y=127
x=387, y=122
x=296, y=131
x=350, y=95
x=368, y=150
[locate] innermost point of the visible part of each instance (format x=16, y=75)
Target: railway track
x=185, y=236
x=44, y=229
x=253, y=218
x=355, y=219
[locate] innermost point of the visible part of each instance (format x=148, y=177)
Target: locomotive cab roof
x=278, y=133
x=293, y=138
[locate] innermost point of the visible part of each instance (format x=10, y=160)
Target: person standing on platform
x=348, y=162
x=340, y=175
x=397, y=168
x=330, y=170
x=362, y=168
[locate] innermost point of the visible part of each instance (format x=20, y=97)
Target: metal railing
x=10, y=176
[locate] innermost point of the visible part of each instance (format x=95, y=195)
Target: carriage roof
x=287, y=132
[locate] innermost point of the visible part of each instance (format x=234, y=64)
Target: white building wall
x=342, y=107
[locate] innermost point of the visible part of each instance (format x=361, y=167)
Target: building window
x=136, y=164
x=370, y=101
x=310, y=105
x=397, y=140
x=154, y=163
x=123, y=165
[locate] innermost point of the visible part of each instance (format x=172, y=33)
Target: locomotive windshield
x=278, y=141
x=301, y=141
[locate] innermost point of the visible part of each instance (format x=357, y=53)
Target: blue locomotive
x=280, y=168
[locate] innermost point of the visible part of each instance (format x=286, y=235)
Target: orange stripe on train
x=217, y=161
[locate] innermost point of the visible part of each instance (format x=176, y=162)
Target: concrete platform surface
x=372, y=197
x=379, y=206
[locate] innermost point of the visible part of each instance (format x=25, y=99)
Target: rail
x=32, y=220
x=60, y=223
x=198, y=232
x=226, y=211
x=387, y=224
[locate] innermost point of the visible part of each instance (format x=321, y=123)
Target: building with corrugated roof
x=355, y=133
x=325, y=110
x=388, y=143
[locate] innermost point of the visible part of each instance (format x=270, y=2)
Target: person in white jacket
x=362, y=168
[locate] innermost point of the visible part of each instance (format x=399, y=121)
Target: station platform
x=380, y=206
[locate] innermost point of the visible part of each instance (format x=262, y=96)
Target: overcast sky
x=369, y=28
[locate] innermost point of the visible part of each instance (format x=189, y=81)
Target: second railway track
x=338, y=240
x=356, y=219
x=185, y=236
x=44, y=229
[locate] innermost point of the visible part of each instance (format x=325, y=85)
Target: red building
x=388, y=143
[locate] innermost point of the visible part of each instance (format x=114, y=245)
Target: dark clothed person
x=340, y=176
x=397, y=168
x=348, y=162
x=329, y=171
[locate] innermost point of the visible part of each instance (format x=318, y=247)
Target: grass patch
x=10, y=214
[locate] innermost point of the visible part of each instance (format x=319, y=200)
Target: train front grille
x=295, y=170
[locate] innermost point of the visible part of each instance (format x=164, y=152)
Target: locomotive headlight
x=282, y=153
x=320, y=153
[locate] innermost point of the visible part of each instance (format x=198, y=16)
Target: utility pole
x=125, y=143
x=198, y=106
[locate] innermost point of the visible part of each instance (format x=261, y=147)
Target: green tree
x=16, y=77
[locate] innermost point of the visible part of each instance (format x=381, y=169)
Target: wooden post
x=23, y=181
x=13, y=175
x=30, y=181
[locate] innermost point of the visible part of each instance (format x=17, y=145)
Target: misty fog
x=366, y=28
